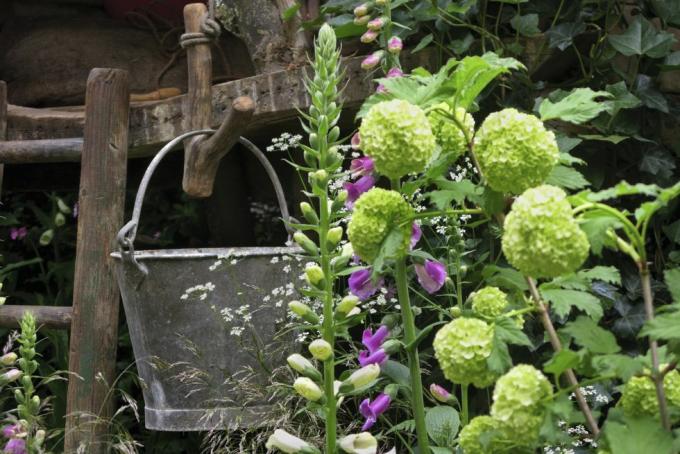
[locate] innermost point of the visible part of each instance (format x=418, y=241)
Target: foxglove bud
x=59, y=219
x=360, y=378
x=376, y=24
x=300, y=364
x=321, y=350
x=307, y=388
x=361, y=10
x=303, y=311
x=305, y=243
x=8, y=359
x=10, y=376
x=289, y=444
x=394, y=45
x=391, y=346
x=63, y=207
x=339, y=201
x=309, y=213
x=362, y=20
x=39, y=438
x=371, y=61
x=334, y=236
x=314, y=275
x=440, y=393
x=394, y=72
x=380, y=2
x=368, y=37
x=355, y=141
x=363, y=443
x=320, y=177
x=347, y=304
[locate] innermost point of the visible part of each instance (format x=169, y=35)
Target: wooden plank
x=277, y=96
x=58, y=317
x=3, y=123
x=39, y=151
x=94, y=331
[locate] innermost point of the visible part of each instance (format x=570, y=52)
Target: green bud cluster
x=489, y=302
x=639, y=395
x=398, y=136
x=470, y=437
x=462, y=348
x=28, y=404
x=377, y=213
x=452, y=140
x=514, y=151
x=541, y=238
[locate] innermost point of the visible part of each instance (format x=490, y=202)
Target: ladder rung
x=48, y=316
x=37, y=151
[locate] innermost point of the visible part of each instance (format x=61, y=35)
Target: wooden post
x=3, y=122
x=94, y=329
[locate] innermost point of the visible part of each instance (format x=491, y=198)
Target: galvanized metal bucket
x=187, y=352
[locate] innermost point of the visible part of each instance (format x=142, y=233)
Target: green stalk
x=409, y=324
x=464, y=407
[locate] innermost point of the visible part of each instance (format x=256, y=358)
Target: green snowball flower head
x=397, y=135
x=469, y=438
x=514, y=150
x=517, y=402
x=449, y=136
x=375, y=214
x=639, y=395
x=462, y=348
x=489, y=302
x=541, y=237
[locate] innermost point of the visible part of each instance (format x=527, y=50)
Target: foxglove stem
x=654, y=347
x=408, y=321
x=464, y=407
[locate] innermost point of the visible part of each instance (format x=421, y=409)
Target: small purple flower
x=440, y=393
x=381, y=89
x=372, y=341
x=394, y=45
x=371, y=410
x=362, y=166
x=376, y=24
x=377, y=357
x=394, y=72
x=355, y=142
x=354, y=190
x=366, y=38
x=18, y=233
x=416, y=233
x=15, y=446
x=12, y=430
x=372, y=60
x=431, y=276
x=360, y=284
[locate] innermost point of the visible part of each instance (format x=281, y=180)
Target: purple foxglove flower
x=416, y=233
x=394, y=45
x=372, y=341
x=372, y=60
x=354, y=190
x=377, y=357
x=381, y=89
x=12, y=430
x=355, y=141
x=431, y=276
x=372, y=409
x=360, y=284
x=362, y=166
x=376, y=24
x=15, y=446
x=368, y=37
x=18, y=233
x=440, y=393
x=394, y=72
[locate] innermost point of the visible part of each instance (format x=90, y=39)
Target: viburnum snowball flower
x=541, y=237
x=639, y=395
x=469, y=438
x=397, y=135
x=462, y=348
x=517, y=404
x=375, y=214
x=514, y=150
x=489, y=302
x=448, y=135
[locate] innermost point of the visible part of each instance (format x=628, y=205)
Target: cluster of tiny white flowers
x=336, y=184
x=592, y=394
x=285, y=142
x=380, y=302
x=460, y=172
x=223, y=260
x=581, y=438
x=418, y=201
x=199, y=292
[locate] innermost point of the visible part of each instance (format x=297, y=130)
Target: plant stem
x=557, y=346
x=408, y=321
x=464, y=407
x=654, y=347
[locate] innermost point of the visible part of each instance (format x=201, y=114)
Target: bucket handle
x=126, y=236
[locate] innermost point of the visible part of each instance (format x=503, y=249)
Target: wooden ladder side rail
x=3, y=122
x=94, y=328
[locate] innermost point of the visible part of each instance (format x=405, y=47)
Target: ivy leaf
x=642, y=38
x=587, y=334
x=672, y=278
x=672, y=231
x=672, y=61
x=637, y=436
x=623, y=99
x=561, y=361
x=649, y=95
x=577, y=107
x=567, y=178
x=630, y=320
x=562, y=35
x=563, y=300
x=658, y=162
x=526, y=25
x=442, y=424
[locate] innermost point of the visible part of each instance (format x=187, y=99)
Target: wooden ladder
x=93, y=317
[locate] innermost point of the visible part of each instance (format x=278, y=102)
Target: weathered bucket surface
x=186, y=350
x=205, y=336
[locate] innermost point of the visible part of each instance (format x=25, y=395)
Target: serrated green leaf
x=508, y=332
x=566, y=143
x=388, y=249
x=562, y=300
x=663, y=327
x=642, y=38
x=450, y=191
x=442, y=424
x=567, y=178
x=526, y=25
x=499, y=360
x=623, y=366
x=615, y=139
x=637, y=436
x=648, y=209
x=672, y=279
x=505, y=278
x=587, y=334
x=608, y=274
x=624, y=188
x=561, y=361
x=474, y=73
x=427, y=39
x=578, y=107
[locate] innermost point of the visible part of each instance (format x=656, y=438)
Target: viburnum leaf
x=636, y=436
x=608, y=274
x=567, y=178
x=508, y=331
x=664, y=327
x=562, y=300
x=623, y=366
x=672, y=278
x=561, y=361
x=647, y=209
x=526, y=25
x=577, y=107
x=587, y=334
x=624, y=188
x=643, y=38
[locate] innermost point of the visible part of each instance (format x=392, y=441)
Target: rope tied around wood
x=210, y=31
